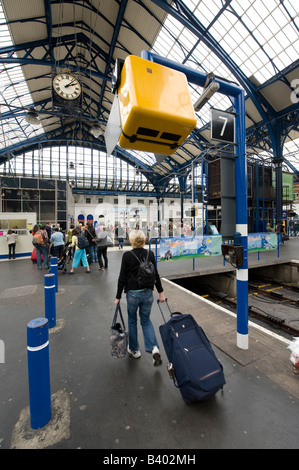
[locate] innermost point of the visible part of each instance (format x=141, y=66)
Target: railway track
x=271, y=302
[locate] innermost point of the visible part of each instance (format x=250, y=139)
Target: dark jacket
x=90, y=233
x=127, y=279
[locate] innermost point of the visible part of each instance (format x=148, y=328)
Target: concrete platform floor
x=102, y=403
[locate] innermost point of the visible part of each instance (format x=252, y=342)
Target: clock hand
x=69, y=84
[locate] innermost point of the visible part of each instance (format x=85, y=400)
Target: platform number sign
x=222, y=126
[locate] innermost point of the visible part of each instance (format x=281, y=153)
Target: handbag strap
x=92, y=236
x=118, y=310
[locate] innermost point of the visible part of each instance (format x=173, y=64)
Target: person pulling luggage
x=139, y=295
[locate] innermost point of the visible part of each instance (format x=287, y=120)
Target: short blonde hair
x=137, y=239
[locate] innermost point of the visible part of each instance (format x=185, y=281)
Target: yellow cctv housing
x=156, y=111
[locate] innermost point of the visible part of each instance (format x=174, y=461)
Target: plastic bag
x=294, y=347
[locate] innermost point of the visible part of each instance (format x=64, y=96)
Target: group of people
x=54, y=241
x=96, y=249
x=138, y=298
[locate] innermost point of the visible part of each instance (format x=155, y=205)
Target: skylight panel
x=275, y=45
x=266, y=31
x=245, y=48
x=258, y=10
x=14, y=91
x=251, y=42
x=188, y=37
x=291, y=152
x=221, y=30
x=284, y=57
x=292, y=52
x=204, y=14
x=173, y=25
x=290, y=6
x=280, y=16
x=272, y=24
x=263, y=33
x=176, y=55
x=279, y=63
x=191, y=4
x=290, y=32
x=270, y=5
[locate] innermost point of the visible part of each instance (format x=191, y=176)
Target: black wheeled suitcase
x=193, y=365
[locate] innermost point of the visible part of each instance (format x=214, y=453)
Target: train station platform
x=125, y=405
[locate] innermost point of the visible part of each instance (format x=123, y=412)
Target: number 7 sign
x=222, y=126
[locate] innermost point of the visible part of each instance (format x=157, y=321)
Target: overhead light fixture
x=96, y=131
x=32, y=118
x=206, y=95
x=71, y=166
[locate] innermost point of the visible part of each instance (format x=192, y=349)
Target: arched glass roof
x=253, y=43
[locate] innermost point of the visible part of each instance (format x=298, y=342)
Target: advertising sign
x=190, y=247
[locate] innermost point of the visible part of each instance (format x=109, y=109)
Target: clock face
x=67, y=86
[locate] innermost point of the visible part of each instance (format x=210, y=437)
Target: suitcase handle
x=171, y=313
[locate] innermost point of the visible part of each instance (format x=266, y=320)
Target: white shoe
x=135, y=354
x=157, y=361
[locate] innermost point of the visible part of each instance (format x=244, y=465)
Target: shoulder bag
x=119, y=336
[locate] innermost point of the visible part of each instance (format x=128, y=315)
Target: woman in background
x=11, y=240
x=79, y=255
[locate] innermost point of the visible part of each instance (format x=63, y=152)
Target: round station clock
x=67, y=86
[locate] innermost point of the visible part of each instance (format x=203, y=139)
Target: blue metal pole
x=241, y=222
x=54, y=270
x=257, y=209
x=237, y=94
x=194, y=76
x=39, y=372
x=50, y=299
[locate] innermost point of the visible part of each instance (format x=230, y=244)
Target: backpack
x=82, y=242
x=37, y=239
x=146, y=276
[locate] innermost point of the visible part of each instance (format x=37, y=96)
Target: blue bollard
x=39, y=372
x=50, y=299
x=54, y=270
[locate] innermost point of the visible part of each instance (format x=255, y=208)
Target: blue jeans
x=93, y=253
x=143, y=300
x=39, y=251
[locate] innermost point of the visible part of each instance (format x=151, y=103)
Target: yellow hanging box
x=156, y=110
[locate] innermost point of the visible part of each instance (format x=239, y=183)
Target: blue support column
x=241, y=222
x=237, y=94
x=50, y=299
x=54, y=270
x=39, y=372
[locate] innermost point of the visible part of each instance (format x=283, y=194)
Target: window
x=17, y=225
x=88, y=200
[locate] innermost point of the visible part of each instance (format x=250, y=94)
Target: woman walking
x=102, y=249
x=79, y=255
x=139, y=298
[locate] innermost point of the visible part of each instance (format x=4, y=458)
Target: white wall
x=24, y=245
